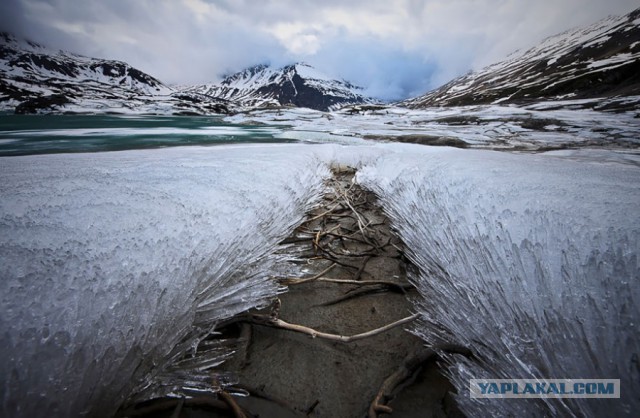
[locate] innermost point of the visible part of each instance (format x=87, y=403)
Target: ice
x=486, y=126
x=154, y=132
x=114, y=265
x=529, y=260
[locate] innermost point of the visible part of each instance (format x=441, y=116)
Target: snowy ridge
x=36, y=79
x=25, y=59
x=299, y=85
x=529, y=261
x=115, y=265
x=598, y=62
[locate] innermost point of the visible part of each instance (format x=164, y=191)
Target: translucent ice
x=112, y=265
x=529, y=260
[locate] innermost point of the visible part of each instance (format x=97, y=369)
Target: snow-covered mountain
x=34, y=78
x=595, y=66
x=299, y=85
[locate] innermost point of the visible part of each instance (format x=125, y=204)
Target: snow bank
x=114, y=265
x=529, y=260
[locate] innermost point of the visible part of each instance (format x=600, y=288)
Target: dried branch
x=246, y=333
x=365, y=282
x=278, y=323
x=395, y=287
x=361, y=269
x=235, y=408
x=289, y=281
x=409, y=367
x=327, y=256
x=323, y=214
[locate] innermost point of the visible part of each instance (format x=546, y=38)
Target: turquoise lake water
x=47, y=134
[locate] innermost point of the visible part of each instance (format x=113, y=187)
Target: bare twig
x=362, y=267
x=398, y=288
x=327, y=256
x=365, y=282
x=349, y=237
x=323, y=213
x=345, y=254
x=409, y=367
x=245, y=342
x=361, y=224
x=290, y=282
x=278, y=323
x=235, y=408
x=294, y=240
x=313, y=406
x=320, y=234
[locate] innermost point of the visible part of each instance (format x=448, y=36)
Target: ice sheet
x=114, y=264
x=108, y=261
x=531, y=261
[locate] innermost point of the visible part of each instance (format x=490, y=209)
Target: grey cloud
x=393, y=48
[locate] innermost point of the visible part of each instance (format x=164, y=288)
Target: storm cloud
x=393, y=48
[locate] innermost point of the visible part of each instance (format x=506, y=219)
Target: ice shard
x=113, y=265
x=529, y=260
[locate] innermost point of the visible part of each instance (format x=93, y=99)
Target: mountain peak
x=598, y=61
x=298, y=84
x=36, y=79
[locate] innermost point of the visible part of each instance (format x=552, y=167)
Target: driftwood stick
x=378, y=288
x=235, y=408
x=365, y=282
x=349, y=237
x=361, y=224
x=328, y=256
x=321, y=233
x=323, y=213
x=411, y=364
x=278, y=323
x=362, y=267
x=289, y=282
x=246, y=334
x=348, y=255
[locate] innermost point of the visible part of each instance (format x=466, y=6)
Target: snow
x=616, y=59
x=310, y=73
x=487, y=126
x=156, y=132
x=88, y=87
x=522, y=70
x=109, y=260
x=597, y=41
x=242, y=87
x=531, y=261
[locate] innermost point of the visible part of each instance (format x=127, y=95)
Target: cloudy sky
x=393, y=48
